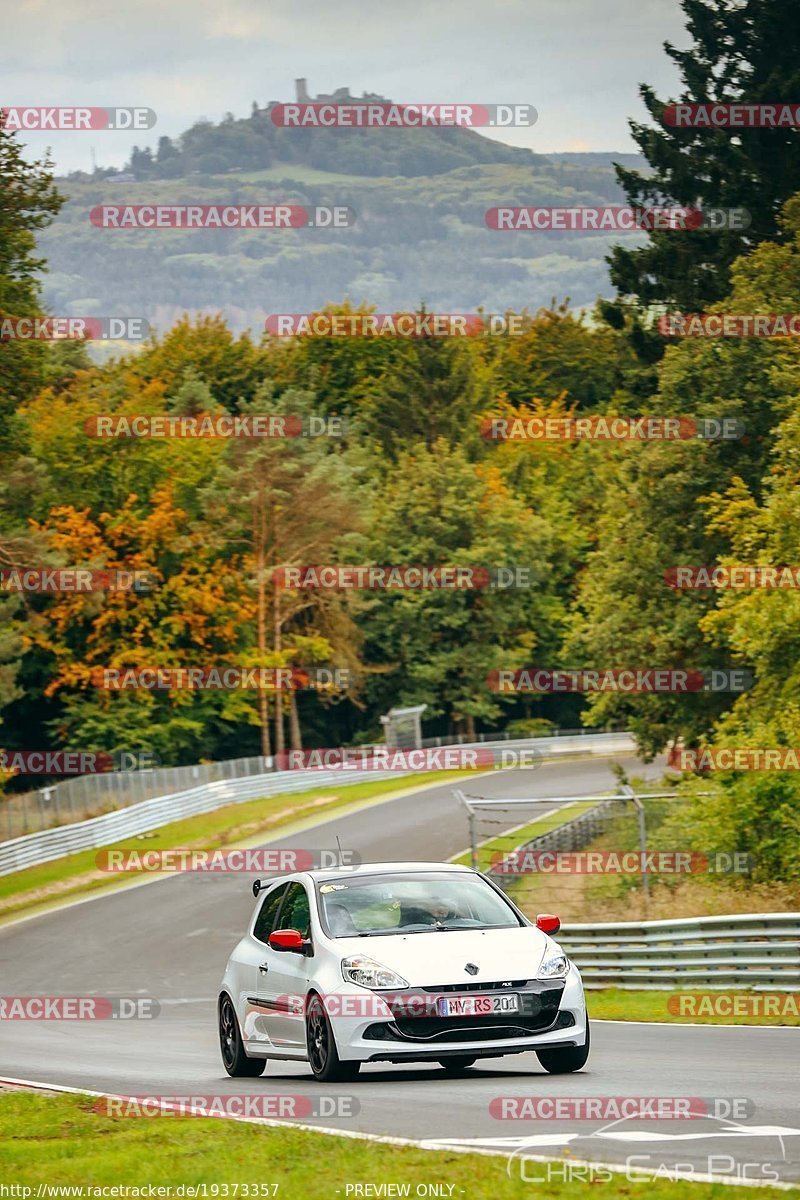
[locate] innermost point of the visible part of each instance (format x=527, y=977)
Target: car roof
x=260, y=886
x=385, y=868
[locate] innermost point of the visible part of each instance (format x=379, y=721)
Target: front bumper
x=406, y=1028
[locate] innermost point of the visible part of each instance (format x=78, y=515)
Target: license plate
x=477, y=1006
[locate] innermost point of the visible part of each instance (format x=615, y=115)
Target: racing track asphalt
x=170, y=939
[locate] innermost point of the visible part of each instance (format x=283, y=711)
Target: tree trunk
x=471, y=735
x=295, y=736
x=259, y=535
x=263, y=716
x=280, y=737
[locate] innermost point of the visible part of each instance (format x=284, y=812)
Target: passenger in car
x=340, y=921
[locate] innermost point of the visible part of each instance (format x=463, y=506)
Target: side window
x=267, y=913
x=295, y=912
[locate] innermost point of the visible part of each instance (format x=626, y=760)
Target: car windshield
x=419, y=903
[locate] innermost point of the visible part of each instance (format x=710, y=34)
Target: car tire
x=323, y=1056
x=562, y=1060
x=234, y=1060
x=456, y=1064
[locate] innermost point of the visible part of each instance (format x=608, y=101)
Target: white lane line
x=730, y=1130
x=687, y=1024
x=457, y=1145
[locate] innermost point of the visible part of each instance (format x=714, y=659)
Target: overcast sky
x=579, y=62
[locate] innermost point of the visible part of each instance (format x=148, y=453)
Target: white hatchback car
x=397, y=962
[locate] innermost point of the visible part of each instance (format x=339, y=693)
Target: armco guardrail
x=759, y=951
x=86, y=796
x=34, y=848
x=150, y=814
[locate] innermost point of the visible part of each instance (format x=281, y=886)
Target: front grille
x=500, y=986
x=538, y=1003
x=434, y=1030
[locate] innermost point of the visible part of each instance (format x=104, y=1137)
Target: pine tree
x=28, y=202
x=743, y=52
x=434, y=388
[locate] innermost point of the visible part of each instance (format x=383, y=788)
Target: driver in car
x=435, y=912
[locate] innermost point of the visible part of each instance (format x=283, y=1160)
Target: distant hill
x=255, y=143
x=419, y=236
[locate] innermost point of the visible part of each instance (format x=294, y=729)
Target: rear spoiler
x=260, y=884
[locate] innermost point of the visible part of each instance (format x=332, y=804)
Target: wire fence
x=463, y=739
x=151, y=814
x=92, y=795
x=86, y=796
x=134, y=819
x=595, y=855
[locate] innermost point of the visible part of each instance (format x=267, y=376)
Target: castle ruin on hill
x=340, y=96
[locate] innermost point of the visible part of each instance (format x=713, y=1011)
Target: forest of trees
x=412, y=481
x=420, y=237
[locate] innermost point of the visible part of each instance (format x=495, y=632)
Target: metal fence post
x=473, y=845
x=628, y=792
x=44, y=795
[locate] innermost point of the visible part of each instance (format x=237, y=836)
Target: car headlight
x=554, y=968
x=370, y=974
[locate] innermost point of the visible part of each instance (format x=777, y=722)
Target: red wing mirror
x=287, y=939
x=548, y=923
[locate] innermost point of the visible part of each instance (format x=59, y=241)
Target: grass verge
x=60, y=1140
x=235, y=825
x=617, y=896
x=615, y=1004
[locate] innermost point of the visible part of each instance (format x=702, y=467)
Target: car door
x=284, y=983
x=254, y=950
